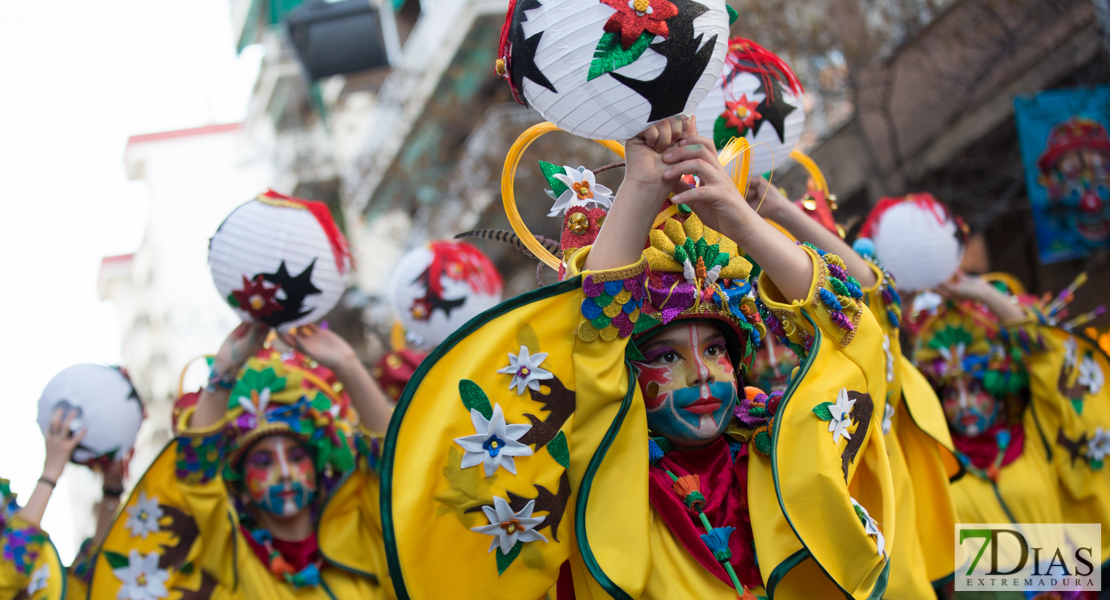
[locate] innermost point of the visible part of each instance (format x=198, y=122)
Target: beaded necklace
x=688, y=487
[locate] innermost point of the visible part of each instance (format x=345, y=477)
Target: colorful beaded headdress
x=964, y=339
x=289, y=394
x=693, y=271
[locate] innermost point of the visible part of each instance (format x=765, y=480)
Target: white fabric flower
x=888, y=418
x=495, y=443
x=871, y=527
x=1090, y=374
x=142, y=579
x=507, y=527
x=889, y=358
x=526, y=371
x=841, y=420
x=257, y=403
x=582, y=189
x=39, y=580
x=142, y=518
x=1099, y=445
x=1071, y=352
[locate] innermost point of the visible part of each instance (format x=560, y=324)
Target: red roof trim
x=180, y=133
x=117, y=258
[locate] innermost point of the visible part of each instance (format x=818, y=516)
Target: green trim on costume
x=1040, y=430
x=62, y=570
x=584, y=493
x=389, y=443
x=943, y=581
x=783, y=568
x=803, y=369
x=1002, y=503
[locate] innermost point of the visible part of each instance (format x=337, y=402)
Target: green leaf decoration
x=732, y=14
x=644, y=323
x=610, y=55
x=822, y=411
x=723, y=134
x=631, y=352
x=1096, y=464
x=187, y=568
x=504, y=560
x=232, y=301
x=685, y=209
x=559, y=450
x=549, y=173
x=473, y=398
x=116, y=560
x=1077, y=404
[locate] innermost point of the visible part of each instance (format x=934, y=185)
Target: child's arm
x=60, y=444
x=772, y=205
x=976, y=288
x=244, y=341
x=621, y=239
x=330, y=350
x=720, y=206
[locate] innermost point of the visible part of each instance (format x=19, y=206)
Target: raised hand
x=60, y=442
x=244, y=341
x=321, y=345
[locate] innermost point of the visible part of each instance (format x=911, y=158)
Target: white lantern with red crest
x=758, y=98
x=607, y=69
x=441, y=285
x=915, y=238
x=106, y=405
x=280, y=260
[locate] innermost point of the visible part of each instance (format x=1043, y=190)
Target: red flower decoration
x=257, y=297
x=634, y=17
x=741, y=114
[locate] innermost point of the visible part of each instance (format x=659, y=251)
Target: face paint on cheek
x=653, y=383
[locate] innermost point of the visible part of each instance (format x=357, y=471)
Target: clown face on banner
x=106, y=404
x=915, y=237
x=757, y=98
x=1075, y=171
x=607, y=69
x=441, y=285
x=280, y=260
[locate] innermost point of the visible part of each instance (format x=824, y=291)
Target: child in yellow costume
x=1058, y=374
x=962, y=347
x=539, y=448
x=268, y=492
x=922, y=457
x=30, y=568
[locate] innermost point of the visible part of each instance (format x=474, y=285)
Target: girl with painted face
x=270, y=489
x=963, y=348
x=1025, y=402
x=596, y=436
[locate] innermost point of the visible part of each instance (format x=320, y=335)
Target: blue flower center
x=493, y=445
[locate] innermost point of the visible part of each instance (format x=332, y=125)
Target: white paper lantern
x=439, y=286
x=738, y=105
x=107, y=406
x=916, y=239
x=280, y=261
x=608, y=69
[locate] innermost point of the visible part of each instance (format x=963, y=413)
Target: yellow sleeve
x=549, y=366
x=847, y=534
x=350, y=526
x=177, y=522
x=1071, y=411
x=29, y=563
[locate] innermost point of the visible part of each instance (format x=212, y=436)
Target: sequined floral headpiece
x=290, y=394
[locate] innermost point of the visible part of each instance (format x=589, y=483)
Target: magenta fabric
x=724, y=483
x=982, y=449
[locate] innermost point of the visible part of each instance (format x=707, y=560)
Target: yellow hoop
x=185, y=369
x=509, y=174
x=814, y=171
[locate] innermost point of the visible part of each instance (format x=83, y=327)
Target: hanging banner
x=1065, y=149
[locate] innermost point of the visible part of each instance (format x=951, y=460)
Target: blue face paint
x=689, y=417
x=969, y=408
x=284, y=500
